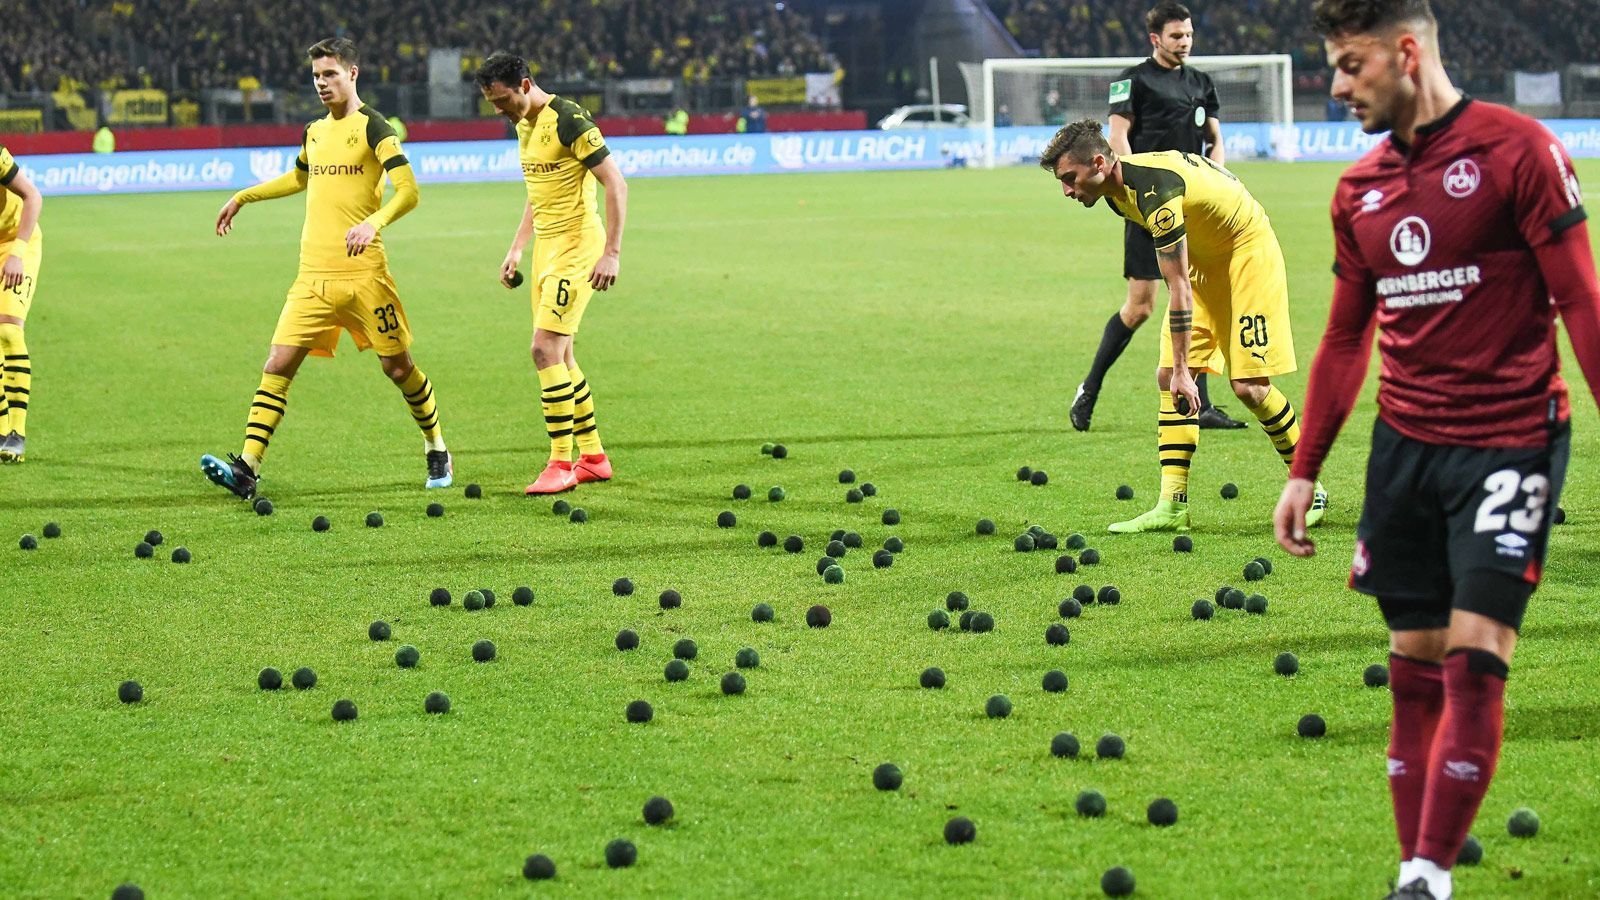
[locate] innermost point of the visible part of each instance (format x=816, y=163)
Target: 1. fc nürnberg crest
x=1462, y=178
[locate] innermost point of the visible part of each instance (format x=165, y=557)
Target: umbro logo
x=1461, y=770
x=1397, y=767
x=1371, y=199
x=1512, y=545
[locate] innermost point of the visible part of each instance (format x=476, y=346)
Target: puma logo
x=1260, y=356
x=1150, y=193
x=559, y=314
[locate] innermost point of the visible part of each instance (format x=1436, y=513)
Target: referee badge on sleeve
x=1121, y=91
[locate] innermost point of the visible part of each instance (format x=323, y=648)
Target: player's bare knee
x=283, y=361
x=397, y=368
x=1251, y=392
x=1422, y=644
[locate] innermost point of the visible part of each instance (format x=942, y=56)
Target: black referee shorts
x=1139, y=254
x=1449, y=527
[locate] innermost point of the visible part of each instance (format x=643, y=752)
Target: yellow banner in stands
x=141, y=107
x=21, y=121
x=777, y=91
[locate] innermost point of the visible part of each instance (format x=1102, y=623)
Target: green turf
x=925, y=329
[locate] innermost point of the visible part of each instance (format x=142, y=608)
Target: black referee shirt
x=1169, y=107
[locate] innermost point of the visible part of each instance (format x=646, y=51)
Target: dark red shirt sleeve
x=1546, y=197
x=1342, y=358
x=1567, y=265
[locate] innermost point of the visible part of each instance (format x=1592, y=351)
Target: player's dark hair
x=1080, y=142
x=1155, y=21
x=507, y=68
x=1335, y=18
x=342, y=49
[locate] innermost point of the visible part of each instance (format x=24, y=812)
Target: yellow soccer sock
x=555, y=395
x=1177, y=437
x=1277, y=417
x=5, y=407
x=424, y=409
x=18, y=377
x=583, y=425
x=266, y=412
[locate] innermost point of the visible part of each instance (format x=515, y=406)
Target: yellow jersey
x=1176, y=195
x=10, y=204
x=558, y=149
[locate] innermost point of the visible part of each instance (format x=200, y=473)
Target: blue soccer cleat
x=232, y=473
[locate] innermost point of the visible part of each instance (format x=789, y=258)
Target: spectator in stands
x=755, y=118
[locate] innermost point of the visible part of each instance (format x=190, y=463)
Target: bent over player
x=344, y=282
x=574, y=254
x=21, y=252
x=1453, y=236
x=1227, y=288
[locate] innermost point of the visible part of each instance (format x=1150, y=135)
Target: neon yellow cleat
x=1168, y=515
x=1319, y=506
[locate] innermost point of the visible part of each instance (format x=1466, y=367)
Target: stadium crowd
x=189, y=44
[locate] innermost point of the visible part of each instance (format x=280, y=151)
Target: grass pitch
x=924, y=329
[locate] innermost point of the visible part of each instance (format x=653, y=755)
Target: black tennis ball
x=833, y=575
x=793, y=544
x=622, y=587
x=153, y=538
x=1076, y=541
x=854, y=495
x=887, y=777
x=1070, y=608
x=620, y=853
x=1233, y=599
x=130, y=692
x=578, y=516
x=959, y=830
x=1524, y=822
x=685, y=649
x=344, y=710
x=1083, y=593
x=28, y=542
x=472, y=601
x=657, y=810
x=761, y=612
x=439, y=597
x=1124, y=492
x=560, y=508
x=676, y=670
x=1045, y=541
x=982, y=622
x=538, y=867
x=488, y=598
x=1230, y=491
x=965, y=622
x=262, y=506
x=1064, y=745
x=1089, y=557
x=851, y=540
x=1162, y=813
x=1056, y=635
x=1023, y=543
x=1117, y=882
x=378, y=631
x=776, y=493
x=143, y=550
x=1255, y=604
x=891, y=517
x=819, y=616
x=893, y=544
x=985, y=526
x=627, y=639
x=1039, y=477
x=127, y=892
x=670, y=599
x=836, y=549
x=868, y=488
x=997, y=706
x=741, y=492
x=1266, y=564
x=726, y=519
x=766, y=449
x=1109, y=595
x=639, y=712
x=747, y=658
x=1285, y=664
x=956, y=601
x=932, y=677
x=181, y=555
x=883, y=559
x=320, y=524
x=1091, y=804
x=1471, y=852
x=1066, y=565
x=766, y=539
x=1036, y=530
x=847, y=477
x=435, y=510
x=1110, y=746
x=733, y=683
x=1202, y=609
x=1055, y=681
x=374, y=520
x=1312, y=726
x=406, y=657
x=1254, y=571
x=522, y=596
x=779, y=451
x=436, y=703
x=1559, y=517
x=1024, y=473
x=1375, y=675
x=938, y=620
x=474, y=492
x=1183, y=544
x=304, y=678
x=269, y=679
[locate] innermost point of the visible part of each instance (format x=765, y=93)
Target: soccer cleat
x=1416, y=889
x=1212, y=417
x=593, y=467
x=440, y=471
x=1168, y=515
x=232, y=474
x=13, y=448
x=1319, y=506
x=1082, y=409
x=556, y=478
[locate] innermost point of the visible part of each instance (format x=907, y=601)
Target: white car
x=926, y=115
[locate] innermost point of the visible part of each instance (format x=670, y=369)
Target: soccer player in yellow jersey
x=1228, y=290
x=575, y=254
x=344, y=282
x=21, y=250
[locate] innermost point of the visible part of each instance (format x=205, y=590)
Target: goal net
x=1254, y=92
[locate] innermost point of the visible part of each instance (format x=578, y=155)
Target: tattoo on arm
x=1180, y=320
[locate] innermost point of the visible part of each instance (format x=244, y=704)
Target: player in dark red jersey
x=1454, y=237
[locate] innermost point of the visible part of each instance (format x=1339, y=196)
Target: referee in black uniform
x=1160, y=104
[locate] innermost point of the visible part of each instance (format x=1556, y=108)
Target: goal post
x=1255, y=89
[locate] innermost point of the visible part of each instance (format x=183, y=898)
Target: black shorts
x=1438, y=519
x=1139, y=254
